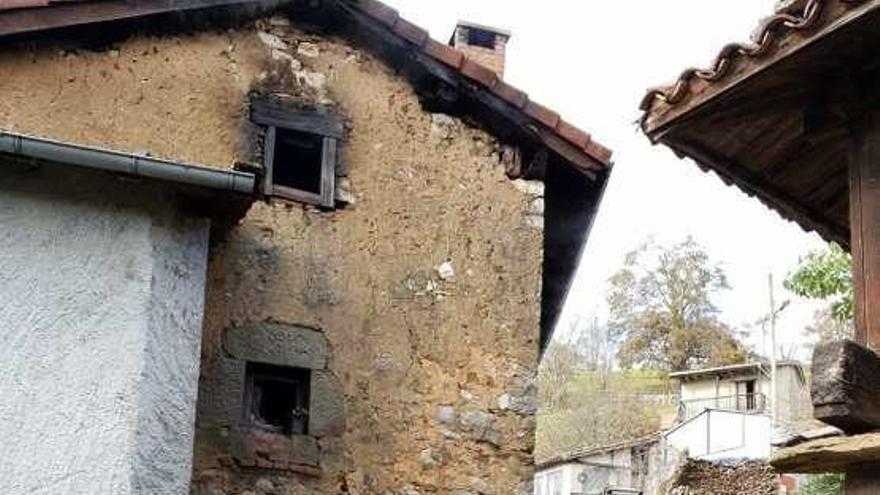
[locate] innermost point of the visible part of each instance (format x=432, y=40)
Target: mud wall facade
x=415, y=308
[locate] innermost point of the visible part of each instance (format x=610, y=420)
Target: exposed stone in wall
x=407, y=335
x=222, y=402
x=535, y=192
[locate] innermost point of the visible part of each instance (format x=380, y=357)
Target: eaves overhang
x=769, y=116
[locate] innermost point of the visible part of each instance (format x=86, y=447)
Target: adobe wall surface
x=103, y=290
x=425, y=290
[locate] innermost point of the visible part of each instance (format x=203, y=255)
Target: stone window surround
x=278, y=345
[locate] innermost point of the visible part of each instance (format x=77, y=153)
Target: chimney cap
x=467, y=24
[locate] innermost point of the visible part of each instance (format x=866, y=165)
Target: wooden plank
x=269, y=160
x=307, y=121
x=864, y=159
x=846, y=386
x=769, y=193
x=328, y=173
x=863, y=480
x=290, y=193
x=828, y=455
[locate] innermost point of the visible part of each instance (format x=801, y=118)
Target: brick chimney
x=483, y=44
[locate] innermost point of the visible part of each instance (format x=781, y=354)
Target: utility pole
x=773, y=313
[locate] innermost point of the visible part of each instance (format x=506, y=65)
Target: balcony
x=748, y=403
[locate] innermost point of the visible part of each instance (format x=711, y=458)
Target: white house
x=724, y=413
x=636, y=467
x=745, y=388
x=727, y=412
x=716, y=435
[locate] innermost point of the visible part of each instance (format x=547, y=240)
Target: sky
x=592, y=61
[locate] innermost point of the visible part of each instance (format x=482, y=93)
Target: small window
x=298, y=160
x=299, y=153
x=479, y=37
x=277, y=398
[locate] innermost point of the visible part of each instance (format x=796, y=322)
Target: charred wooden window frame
x=297, y=377
x=329, y=127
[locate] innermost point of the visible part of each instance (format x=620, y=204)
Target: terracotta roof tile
x=510, y=94
x=444, y=53
x=542, y=114
x=21, y=4
x=30, y=4
x=601, y=153
x=573, y=135
x=791, y=17
x=410, y=32
x=486, y=77
x=379, y=11
x=480, y=73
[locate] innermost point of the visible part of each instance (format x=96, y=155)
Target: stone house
x=274, y=247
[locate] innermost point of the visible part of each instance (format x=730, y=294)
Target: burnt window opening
x=298, y=160
x=300, y=153
x=481, y=38
x=277, y=398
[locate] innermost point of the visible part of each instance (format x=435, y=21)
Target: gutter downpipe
x=126, y=163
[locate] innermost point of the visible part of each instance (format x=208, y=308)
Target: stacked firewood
x=706, y=478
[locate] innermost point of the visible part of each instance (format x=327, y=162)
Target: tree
x=823, y=484
x=592, y=341
x=662, y=312
x=826, y=275
x=559, y=365
x=826, y=327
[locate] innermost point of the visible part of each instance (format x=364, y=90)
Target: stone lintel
x=277, y=344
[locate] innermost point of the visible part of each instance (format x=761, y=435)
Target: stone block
x=277, y=344
x=480, y=426
x=222, y=394
x=255, y=446
x=326, y=407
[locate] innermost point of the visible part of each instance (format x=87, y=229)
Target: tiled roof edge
x=485, y=77
x=791, y=16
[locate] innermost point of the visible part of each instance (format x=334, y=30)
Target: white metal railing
x=750, y=403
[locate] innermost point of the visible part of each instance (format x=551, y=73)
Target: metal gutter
x=126, y=163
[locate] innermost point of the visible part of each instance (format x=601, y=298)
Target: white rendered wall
x=100, y=325
x=716, y=435
x=557, y=480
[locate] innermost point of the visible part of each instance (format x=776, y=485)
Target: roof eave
x=663, y=107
